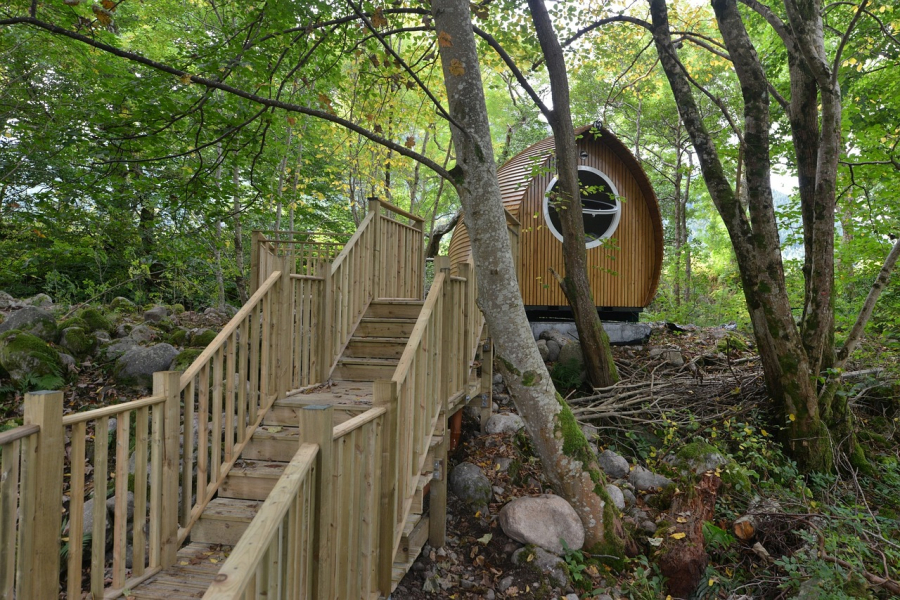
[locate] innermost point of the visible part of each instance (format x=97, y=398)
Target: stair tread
x=196, y=566
x=373, y=339
x=232, y=509
x=388, y=320
x=258, y=468
x=398, y=301
x=385, y=362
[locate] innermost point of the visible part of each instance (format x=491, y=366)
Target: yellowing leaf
x=678, y=536
x=213, y=560
x=681, y=520
x=410, y=141
x=792, y=417
x=456, y=67
x=486, y=538
x=378, y=19
x=445, y=40
x=186, y=79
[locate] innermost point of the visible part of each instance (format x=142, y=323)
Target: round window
x=600, y=207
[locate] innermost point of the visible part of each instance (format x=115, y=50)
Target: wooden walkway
x=302, y=454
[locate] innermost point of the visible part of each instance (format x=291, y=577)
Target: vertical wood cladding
x=624, y=271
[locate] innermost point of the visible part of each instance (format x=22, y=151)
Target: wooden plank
x=316, y=428
x=187, y=451
x=98, y=535
x=120, y=514
x=110, y=411
x=386, y=397
x=156, y=460
x=9, y=500
x=166, y=383
x=138, y=540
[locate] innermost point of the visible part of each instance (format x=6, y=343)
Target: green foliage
x=566, y=376
x=645, y=581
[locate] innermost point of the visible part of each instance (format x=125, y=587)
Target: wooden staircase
x=373, y=353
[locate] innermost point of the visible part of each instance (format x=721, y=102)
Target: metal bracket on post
x=438, y=472
x=484, y=400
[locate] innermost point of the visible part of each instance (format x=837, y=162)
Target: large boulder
x=76, y=341
x=39, y=300
x=32, y=320
x=95, y=320
x=141, y=334
x=504, y=424
x=137, y=366
x=469, y=484
x=543, y=521
x=117, y=348
x=27, y=357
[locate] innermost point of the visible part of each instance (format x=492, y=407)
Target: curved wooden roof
x=519, y=175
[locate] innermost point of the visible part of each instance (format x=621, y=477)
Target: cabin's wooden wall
x=623, y=273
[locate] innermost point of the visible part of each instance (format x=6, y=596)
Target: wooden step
x=251, y=479
x=395, y=328
x=418, y=500
x=375, y=347
x=364, y=369
x=415, y=534
x=273, y=442
x=196, y=566
x=395, y=309
x=286, y=412
x=224, y=521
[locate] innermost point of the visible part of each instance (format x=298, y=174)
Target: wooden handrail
x=351, y=242
x=220, y=339
x=415, y=337
x=7, y=437
x=357, y=422
x=240, y=567
x=396, y=209
x=306, y=277
x=111, y=411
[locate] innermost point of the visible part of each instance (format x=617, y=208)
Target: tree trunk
x=559, y=442
x=236, y=209
x=598, y=361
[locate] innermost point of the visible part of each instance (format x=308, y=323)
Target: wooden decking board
x=273, y=442
x=251, y=479
x=196, y=565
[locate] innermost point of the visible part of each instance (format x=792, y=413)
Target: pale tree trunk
x=414, y=183
x=598, y=360
x=686, y=248
x=679, y=231
x=564, y=452
x=236, y=210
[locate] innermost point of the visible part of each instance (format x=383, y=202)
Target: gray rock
x=613, y=465
x=616, y=495
x=68, y=361
x=603, y=597
x=571, y=353
x=7, y=302
x=590, y=432
x=549, y=564
x=543, y=350
x=697, y=458
x=32, y=320
x=497, y=379
x=26, y=356
x=88, y=518
x=129, y=506
x=648, y=527
x=647, y=481
x=39, y=300
x=76, y=341
x=630, y=500
x=141, y=334
x=502, y=463
x=156, y=314
x=673, y=357
x=489, y=594
x=470, y=485
x=572, y=597
x=552, y=350
x=119, y=347
x=505, y=583
x=123, y=329
x=102, y=337
x=504, y=424
x=543, y=521
x=138, y=364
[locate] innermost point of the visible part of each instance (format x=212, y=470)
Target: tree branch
x=837, y=56
x=183, y=75
x=513, y=68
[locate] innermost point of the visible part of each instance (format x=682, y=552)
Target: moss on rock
x=203, y=339
x=185, y=358
x=27, y=357
x=76, y=341
x=95, y=320
x=178, y=337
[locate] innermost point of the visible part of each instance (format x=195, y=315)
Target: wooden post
x=437, y=496
x=419, y=258
x=285, y=330
x=41, y=501
x=255, y=239
x=316, y=426
x=326, y=330
x=487, y=380
x=375, y=211
x=385, y=394
x=166, y=383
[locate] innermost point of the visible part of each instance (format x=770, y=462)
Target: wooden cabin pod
x=622, y=224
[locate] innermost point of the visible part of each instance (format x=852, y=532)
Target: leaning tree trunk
x=598, y=361
x=790, y=377
x=564, y=452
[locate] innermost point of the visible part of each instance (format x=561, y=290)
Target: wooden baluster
x=98, y=535
x=243, y=365
x=437, y=496
x=377, y=264
x=230, y=365
x=9, y=503
x=76, y=510
x=255, y=242
x=138, y=539
x=187, y=461
x=156, y=460
x=255, y=350
x=120, y=514
x=326, y=325
x=216, y=408
x=203, y=434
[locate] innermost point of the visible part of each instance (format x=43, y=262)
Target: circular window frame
x=616, y=218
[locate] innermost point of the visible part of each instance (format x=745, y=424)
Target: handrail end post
x=316, y=427
x=386, y=394
x=167, y=384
